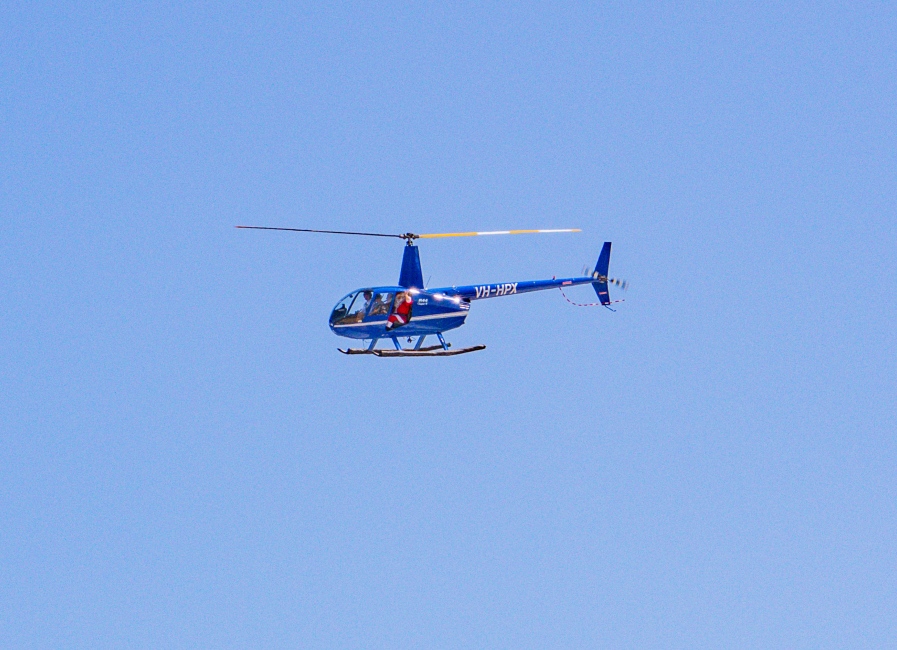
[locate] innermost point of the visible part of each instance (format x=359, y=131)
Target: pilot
x=367, y=303
x=402, y=313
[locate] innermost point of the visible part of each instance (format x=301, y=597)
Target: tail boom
x=598, y=280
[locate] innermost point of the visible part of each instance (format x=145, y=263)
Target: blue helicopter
x=411, y=310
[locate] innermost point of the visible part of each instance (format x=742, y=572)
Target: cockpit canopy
x=366, y=305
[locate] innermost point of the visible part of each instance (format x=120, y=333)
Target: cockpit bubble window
x=342, y=314
x=380, y=306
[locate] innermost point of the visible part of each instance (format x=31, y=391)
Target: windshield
x=341, y=311
x=352, y=308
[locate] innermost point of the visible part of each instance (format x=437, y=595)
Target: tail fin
x=600, y=274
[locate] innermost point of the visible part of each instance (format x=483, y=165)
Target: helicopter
x=409, y=309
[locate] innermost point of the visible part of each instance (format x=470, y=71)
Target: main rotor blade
x=498, y=232
x=409, y=237
x=329, y=232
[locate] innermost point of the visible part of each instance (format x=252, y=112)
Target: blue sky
x=188, y=462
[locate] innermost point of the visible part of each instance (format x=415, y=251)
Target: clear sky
x=186, y=461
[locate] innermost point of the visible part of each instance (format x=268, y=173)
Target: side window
x=380, y=306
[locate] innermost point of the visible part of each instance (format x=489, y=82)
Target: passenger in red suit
x=402, y=313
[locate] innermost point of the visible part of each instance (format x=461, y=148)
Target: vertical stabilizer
x=601, y=273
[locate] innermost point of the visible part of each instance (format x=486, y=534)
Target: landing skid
x=438, y=352
x=431, y=351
